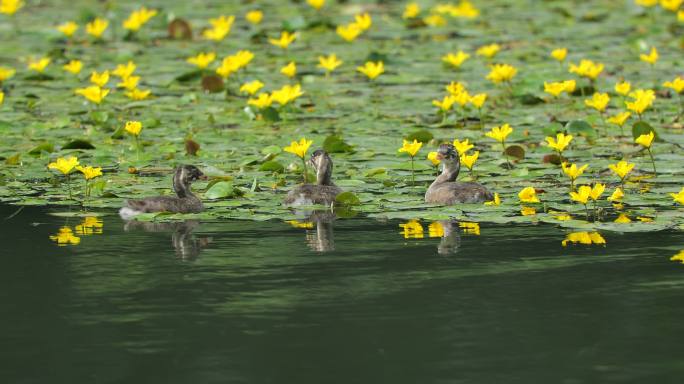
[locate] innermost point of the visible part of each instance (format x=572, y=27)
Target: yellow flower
x=435, y=229
x=528, y=211
x=99, y=79
x=496, y=201
x=488, y=51
x=348, y=32
x=455, y=88
x=555, y=88
x=97, y=27
x=646, y=3
x=252, y=87
x=243, y=57
x=587, y=68
x=560, y=142
x=411, y=148
x=290, y=70
x=623, y=87
x=254, y=17
x=470, y=228
x=676, y=85
x=93, y=93
x=329, y=63
x=469, y=160
x=286, y=38
x=559, y=54
x=2, y=97
x=432, y=156
x=64, y=165
x=138, y=94
x=73, y=66
x=316, y=4
x=299, y=148
x=363, y=21
x=585, y=238
x=645, y=140
x=678, y=257
x=597, y=191
x=651, y=58
x=202, y=60
x=133, y=127
x=286, y=94
x=562, y=216
x=124, y=70
x=569, y=85
x=680, y=16
x=435, y=20
x=39, y=65
x=678, y=197
x=500, y=133
x=620, y=118
x=445, y=104
x=412, y=230
x=582, y=195
x=478, y=100
x=572, y=171
x=671, y=5
x=599, y=101
x=528, y=195
x=90, y=225
x=129, y=83
x=622, y=168
x=301, y=224
x=623, y=219
x=89, y=172
x=228, y=66
x=138, y=18
x=371, y=69
x=617, y=195
x=643, y=99
x=262, y=101
x=10, y=7
x=220, y=28
x=412, y=10
x=455, y=60
x=68, y=28
x=65, y=237
x=6, y=73
x=502, y=73
x=462, y=146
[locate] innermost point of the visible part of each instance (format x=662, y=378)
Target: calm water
x=260, y=303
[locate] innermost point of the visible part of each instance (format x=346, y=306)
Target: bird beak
x=204, y=177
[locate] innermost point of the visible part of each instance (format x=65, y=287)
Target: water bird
x=445, y=190
x=324, y=191
x=184, y=201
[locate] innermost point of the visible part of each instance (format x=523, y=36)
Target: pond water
x=348, y=301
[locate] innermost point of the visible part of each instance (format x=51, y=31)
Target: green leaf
x=335, y=144
x=42, y=147
x=270, y=114
x=271, y=150
x=643, y=128
x=423, y=136
x=347, y=199
x=220, y=190
x=581, y=128
x=272, y=166
x=516, y=151
x=78, y=144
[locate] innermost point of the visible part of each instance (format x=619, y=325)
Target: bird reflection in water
x=319, y=229
x=186, y=245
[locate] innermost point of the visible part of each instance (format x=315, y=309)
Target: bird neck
x=181, y=185
x=324, y=173
x=449, y=172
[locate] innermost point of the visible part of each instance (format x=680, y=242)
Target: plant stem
x=306, y=177
x=413, y=176
x=503, y=144
x=479, y=110
x=137, y=147
x=68, y=179
x=652, y=161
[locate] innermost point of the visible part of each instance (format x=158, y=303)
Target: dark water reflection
x=341, y=301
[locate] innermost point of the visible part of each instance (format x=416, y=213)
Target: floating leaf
x=424, y=136
x=43, y=147
x=220, y=190
x=270, y=114
x=335, y=144
x=179, y=29
x=191, y=147
x=516, y=151
x=212, y=83
x=581, y=128
x=347, y=199
x=272, y=166
x=78, y=144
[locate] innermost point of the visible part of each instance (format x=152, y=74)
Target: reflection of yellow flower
x=623, y=219
x=436, y=229
x=496, y=201
x=528, y=211
x=329, y=63
x=488, y=51
x=528, y=195
x=412, y=230
x=286, y=38
x=68, y=28
x=97, y=27
x=299, y=148
x=91, y=225
x=470, y=228
x=617, y=195
x=411, y=147
x=585, y=238
x=372, y=69
x=301, y=224
x=502, y=73
x=455, y=59
x=64, y=165
x=678, y=257
x=679, y=196
x=39, y=65
x=559, y=54
x=65, y=237
x=93, y=93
